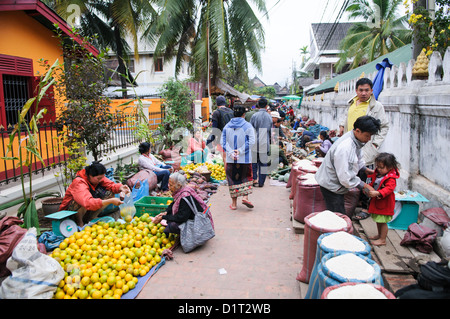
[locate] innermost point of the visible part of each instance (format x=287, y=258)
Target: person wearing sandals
x=179, y=211
x=238, y=136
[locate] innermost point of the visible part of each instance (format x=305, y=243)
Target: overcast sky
x=287, y=31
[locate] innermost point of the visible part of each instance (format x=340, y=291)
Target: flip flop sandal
x=361, y=216
x=233, y=208
x=247, y=203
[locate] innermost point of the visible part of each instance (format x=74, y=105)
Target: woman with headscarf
x=238, y=136
x=179, y=210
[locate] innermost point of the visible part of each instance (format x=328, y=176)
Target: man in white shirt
x=339, y=170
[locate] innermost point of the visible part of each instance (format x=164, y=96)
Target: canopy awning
x=228, y=89
x=291, y=97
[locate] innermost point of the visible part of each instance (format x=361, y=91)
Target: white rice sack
x=359, y=291
x=350, y=266
x=328, y=220
x=307, y=176
x=306, y=165
x=342, y=240
x=309, y=181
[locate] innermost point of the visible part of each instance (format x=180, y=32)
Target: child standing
x=382, y=202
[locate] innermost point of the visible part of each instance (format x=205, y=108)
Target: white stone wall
x=419, y=115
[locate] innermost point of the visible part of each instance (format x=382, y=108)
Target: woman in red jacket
x=382, y=202
x=90, y=193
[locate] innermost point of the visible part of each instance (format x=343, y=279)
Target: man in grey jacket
x=262, y=123
x=339, y=170
x=365, y=103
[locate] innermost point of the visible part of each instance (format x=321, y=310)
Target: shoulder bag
x=195, y=232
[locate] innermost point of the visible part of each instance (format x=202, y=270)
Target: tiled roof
x=323, y=30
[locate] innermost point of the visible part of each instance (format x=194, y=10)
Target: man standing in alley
x=365, y=103
x=339, y=170
x=262, y=123
x=220, y=117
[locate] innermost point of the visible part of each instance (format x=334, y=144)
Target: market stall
x=107, y=258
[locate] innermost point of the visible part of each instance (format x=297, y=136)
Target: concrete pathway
x=257, y=248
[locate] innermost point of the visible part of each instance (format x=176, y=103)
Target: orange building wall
x=22, y=36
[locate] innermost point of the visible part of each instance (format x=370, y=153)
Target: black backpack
x=226, y=115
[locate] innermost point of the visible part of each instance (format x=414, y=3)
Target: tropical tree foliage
x=431, y=33
x=220, y=36
x=382, y=31
x=110, y=21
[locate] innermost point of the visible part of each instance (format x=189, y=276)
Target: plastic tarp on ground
x=311, y=235
x=133, y=293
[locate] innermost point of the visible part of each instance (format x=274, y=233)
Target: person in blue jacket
x=238, y=136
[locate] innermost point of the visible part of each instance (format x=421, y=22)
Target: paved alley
x=255, y=254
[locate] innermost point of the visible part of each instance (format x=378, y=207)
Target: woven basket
x=207, y=176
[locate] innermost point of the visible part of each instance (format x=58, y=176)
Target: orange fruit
x=111, y=281
x=85, y=281
x=96, y=294
x=131, y=284
x=59, y=294
x=142, y=260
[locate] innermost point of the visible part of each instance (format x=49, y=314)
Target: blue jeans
x=163, y=177
x=257, y=167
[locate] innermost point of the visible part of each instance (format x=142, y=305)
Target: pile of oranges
x=217, y=170
x=104, y=260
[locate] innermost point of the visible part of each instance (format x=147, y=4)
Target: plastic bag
x=127, y=209
x=50, y=240
x=34, y=275
x=143, y=190
x=147, y=174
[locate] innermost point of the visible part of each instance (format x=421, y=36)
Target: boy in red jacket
x=382, y=203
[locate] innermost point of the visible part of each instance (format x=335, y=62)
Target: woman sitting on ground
x=149, y=161
x=91, y=192
x=179, y=210
x=197, y=150
x=325, y=144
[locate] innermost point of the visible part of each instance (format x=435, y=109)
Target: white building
x=324, y=51
x=148, y=75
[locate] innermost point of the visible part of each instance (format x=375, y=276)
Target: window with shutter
x=17, y=85
x=159, y=65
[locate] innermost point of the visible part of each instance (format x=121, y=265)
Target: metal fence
x=51, y=151
x=55, y=154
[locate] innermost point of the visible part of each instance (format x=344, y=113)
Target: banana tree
x=30, y=149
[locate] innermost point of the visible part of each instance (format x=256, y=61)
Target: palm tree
x=110, y=21
x=384, y=32
x=220, y=36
